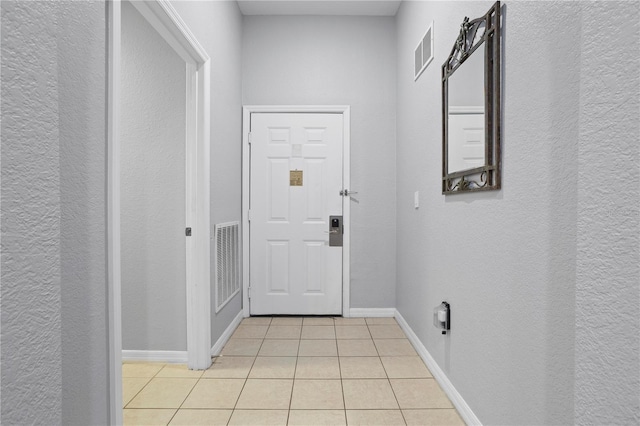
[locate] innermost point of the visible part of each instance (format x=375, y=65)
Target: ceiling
x=320, y=7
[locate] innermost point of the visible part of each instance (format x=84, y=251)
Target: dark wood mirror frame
x=478, y=36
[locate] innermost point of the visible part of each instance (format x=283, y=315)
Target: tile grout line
x=246, y=379
x=344, y=401
x=293, y=382
x=145, y=385
x=388, y=379
x=185, y=398
x=137, y=393
x=393, y=391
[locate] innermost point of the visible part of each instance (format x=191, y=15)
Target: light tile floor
x=294, y=371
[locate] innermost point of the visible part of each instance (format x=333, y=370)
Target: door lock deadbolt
x=335, y=231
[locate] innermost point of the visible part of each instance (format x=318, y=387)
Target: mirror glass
x=466, y=115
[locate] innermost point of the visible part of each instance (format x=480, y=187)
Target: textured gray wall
x=30, y=226
x=607, y=388
x=298, y=60
x=82, y=109
x=153, y=189
x=218, y=27
x=505, y=260
x=53, y=343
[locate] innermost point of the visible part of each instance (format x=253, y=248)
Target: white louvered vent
x=227, y=267
x=423, y=54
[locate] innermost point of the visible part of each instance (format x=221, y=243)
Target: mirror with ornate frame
x=471, y=107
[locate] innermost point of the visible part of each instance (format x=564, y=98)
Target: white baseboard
x=174, y=357
x=180, y=357
x=372, y=312
x=463, y=408
x=224, y=338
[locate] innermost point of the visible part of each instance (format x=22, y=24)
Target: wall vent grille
x=227, y=264
x=423, y=54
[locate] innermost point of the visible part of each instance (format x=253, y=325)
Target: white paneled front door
x=296, y=178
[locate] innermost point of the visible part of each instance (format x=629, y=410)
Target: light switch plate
x=416, y=199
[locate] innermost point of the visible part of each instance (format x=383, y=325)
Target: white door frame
x=345, y=110
x=164, y=18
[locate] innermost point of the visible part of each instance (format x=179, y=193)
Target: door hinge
x=188, y=232
x=249, y=138
x=249, y=215
x=249, y=292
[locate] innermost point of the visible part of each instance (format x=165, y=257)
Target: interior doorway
x=152, y=177
x=164, y=19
